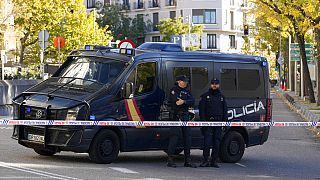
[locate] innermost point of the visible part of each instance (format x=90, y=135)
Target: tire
x=232, y=147
x=44, y=152
x=105, y=147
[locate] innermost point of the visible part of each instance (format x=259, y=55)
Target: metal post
x=3, y=59
x=301, y=78
x=59, y=51
x=290, y=70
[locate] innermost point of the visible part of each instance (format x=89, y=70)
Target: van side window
x=228, y=79
x=181, y=71
x=199, y=77
x=248, y=79
x=145, y=76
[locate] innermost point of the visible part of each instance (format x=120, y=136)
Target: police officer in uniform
x=180, y=100
x=212, y=107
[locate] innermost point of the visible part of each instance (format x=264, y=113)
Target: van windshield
x=93, y=69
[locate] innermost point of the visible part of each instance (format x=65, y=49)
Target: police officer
x=180, y=99
x=212, y=107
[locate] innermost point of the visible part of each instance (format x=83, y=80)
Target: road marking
x=124, y=170
x=6, y=128
x=241, y=165
x=260, y=176
x=33, y=171
x=20, y=177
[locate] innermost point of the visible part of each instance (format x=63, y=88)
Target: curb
x=301, y=110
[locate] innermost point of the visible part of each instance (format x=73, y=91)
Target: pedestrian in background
x=212, y=107
x=180, y=100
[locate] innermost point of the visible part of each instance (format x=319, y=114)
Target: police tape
x=6, y=122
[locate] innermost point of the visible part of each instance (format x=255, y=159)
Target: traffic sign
x=59, y=42
x=280, y=60
x=43, y=37
x=126, y=43
x=295, y=52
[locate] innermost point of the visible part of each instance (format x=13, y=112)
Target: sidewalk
x=308, y=111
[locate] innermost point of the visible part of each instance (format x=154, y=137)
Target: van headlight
x=72, y=114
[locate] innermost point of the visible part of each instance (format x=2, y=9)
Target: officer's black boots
x=188, y=163
x=170, y=162
x=214, y=164
x=205, y=163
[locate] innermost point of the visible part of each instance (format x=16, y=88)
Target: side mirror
x=127, y=91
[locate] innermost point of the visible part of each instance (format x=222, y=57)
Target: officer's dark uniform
x=212, y=107
x=180, y=113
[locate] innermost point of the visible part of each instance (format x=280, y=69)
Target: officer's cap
x=182, y=78
x=215, y=81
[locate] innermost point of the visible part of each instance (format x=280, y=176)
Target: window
x=199, y=78
x=231, y=2
x=241, y=82
x=172, y=14
x=156, y=39
x=228, y=80
x=232, y=41
x=181, y=71
x=107, y=2
x=143, y=78
x=201, y=16
x=249, y=79
x=91, y=3
x=232, y=20
x=155, y=21
x=212, y=41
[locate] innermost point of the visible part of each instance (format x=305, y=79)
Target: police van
x=132, y=85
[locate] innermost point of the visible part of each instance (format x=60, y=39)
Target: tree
x=169, y=27
x=288, y=9
x=66, y=18
x=122, y=26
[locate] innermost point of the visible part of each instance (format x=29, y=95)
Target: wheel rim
x=106, y=147
x=234, y=147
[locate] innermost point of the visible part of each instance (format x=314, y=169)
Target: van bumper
x=59, y=138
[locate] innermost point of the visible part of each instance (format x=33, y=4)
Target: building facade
x=223, y=20
x=7, y=33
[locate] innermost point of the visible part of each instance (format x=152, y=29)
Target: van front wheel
x=105, y=147
x=232, y=147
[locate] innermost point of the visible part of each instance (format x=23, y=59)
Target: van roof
x=191, y=55
x=186, y=55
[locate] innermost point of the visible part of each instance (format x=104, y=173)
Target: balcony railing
x=125, y=7
x=154, y=4
x=138, y=5
x=171, y=2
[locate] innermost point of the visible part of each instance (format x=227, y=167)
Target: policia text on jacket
x=105, y=85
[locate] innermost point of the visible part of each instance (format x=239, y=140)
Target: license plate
x=34, y=137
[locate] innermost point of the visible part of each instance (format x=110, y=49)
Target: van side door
x=143, y=105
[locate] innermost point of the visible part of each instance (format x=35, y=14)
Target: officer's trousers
x=174, y=134
x=212, y=136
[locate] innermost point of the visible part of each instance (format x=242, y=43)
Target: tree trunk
x=306, y=73
x=22, y=54
x=317, y=37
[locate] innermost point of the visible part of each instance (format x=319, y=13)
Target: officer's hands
x=179, y=102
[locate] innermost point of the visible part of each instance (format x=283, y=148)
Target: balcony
x=139, y=5
x=154, y=4
x=171, y=2
x=125, y=7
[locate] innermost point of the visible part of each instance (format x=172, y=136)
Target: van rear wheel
x=232, y=147
x=105, y=147
x=44, y=152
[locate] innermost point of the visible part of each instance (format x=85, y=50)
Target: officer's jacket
x=213, y=104
x=177, y=93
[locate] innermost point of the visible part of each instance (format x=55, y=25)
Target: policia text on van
x=104, y=85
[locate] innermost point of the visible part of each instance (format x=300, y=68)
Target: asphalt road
x=289, y=153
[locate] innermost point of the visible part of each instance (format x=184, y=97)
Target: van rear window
x=248, y=79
